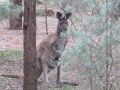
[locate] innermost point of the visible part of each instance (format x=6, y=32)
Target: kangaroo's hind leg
x=45, y=73
x=39, y=68
x=59, y=74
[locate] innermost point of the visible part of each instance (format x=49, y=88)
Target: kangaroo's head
x=62, y=22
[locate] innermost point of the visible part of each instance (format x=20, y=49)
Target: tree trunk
x=15, y=24
x=29, y=30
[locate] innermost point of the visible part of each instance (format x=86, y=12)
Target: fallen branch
x=14, y=76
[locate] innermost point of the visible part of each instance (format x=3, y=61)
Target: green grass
x=11, y=52
x=12, y=59
x=67, y=87
x=10, y=55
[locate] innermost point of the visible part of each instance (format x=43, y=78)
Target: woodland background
x=92, y=56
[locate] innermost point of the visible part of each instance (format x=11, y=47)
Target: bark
x=29, y=30
x=15, y=24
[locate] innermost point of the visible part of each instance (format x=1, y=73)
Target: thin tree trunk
x=46, y=17
x=29, y=30
x=14, y=23
x=107, y=49
x=107, y=76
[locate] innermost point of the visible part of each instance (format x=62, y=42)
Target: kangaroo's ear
x=58, y=15
x=68, y=15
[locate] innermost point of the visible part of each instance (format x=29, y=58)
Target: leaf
x=98, y=30
x=52, y=2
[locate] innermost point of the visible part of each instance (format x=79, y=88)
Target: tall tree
x=15, y=23
x=29, y=30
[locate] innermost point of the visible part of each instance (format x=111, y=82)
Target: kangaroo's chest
x=61, y=43
x=59, y=46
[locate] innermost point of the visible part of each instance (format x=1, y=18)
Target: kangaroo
x=50, y=50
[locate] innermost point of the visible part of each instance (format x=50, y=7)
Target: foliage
x=97, y=46
x=95, y=32
x=10, y=55
x=48, y=2
x=8, y=8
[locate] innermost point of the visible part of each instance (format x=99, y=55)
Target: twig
x=111, y=53
x=113, y=82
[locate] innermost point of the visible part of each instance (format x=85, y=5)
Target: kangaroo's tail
x=14, y=76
